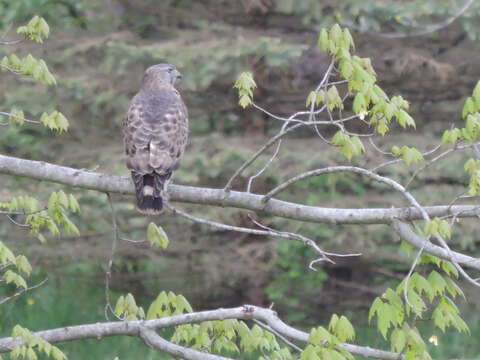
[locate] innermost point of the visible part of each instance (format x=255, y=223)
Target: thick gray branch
x=133, y=328
x=122, y=184
x=406, y=233
x=152, y=339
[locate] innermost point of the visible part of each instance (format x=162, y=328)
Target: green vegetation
x=95, y=76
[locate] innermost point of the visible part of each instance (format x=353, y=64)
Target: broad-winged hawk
x=155, y=132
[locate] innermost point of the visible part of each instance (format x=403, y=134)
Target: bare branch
x=21, y=291
x=123, y=185
x=267, y=232
x=133, y=328
x=406, y=233
x=19, y=117
x=155, y=341
x=432, y=28
x=108, y=272
x=247, y=163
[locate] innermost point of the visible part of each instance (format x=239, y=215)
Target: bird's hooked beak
x=178, y=76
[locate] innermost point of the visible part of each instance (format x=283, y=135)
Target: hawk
x=155, y=132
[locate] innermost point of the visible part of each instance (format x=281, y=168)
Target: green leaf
x=333, y=98
x=375, y=308
x=73, y=203
x=437, y=282
x=404, y=119
x=319, y=336
x=416, y=302
x=245, y=101
x=120, y=306
x=451, y=136
x=385, y=319
x=12, y=277
x=476, y=93
x=333, y=323
x=348, y=39
x=23, y=264
x=453, y=289
x=323, y=41
x=398, y=340
x=359, y=104
x=344, y=330
x=335, y=34
x=421, y=284
x=346, y=69
x=469, y=107
x=16, y=116
x=156, y=236
x=245, y=85
x=309, y=353
x=311, y=98
x=182, y=302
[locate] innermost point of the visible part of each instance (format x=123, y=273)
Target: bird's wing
x=155, y=132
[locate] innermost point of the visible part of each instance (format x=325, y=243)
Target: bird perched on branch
x=155, y=132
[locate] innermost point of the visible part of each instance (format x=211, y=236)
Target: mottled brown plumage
x=155, y=135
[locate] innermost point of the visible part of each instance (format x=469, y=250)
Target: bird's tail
x=149, y=192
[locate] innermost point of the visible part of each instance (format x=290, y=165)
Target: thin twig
x=20, y=292
x=277, y=334
x=432, y=28
x=108, y=273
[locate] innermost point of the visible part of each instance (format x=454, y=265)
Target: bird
x=155, y=133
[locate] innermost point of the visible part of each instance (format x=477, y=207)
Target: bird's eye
x=170, y=70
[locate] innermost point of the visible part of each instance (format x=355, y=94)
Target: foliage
x=382, y=16
x=59, y=13
x=289, y=279
x=34, y=344
x=428, y=297
x=396, y=315
x=157, y=236
x=245, y=84
x=51, y=217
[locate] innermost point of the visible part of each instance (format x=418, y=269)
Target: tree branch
x=152, y=339
x=133, y=328
x=406, y=233
x=122, y=184
x=431, y=28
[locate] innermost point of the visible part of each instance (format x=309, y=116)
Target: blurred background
x=98, y=50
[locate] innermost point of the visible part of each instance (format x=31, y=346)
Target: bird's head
x=159, y=75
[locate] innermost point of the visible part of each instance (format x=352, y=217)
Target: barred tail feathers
x=149, y=192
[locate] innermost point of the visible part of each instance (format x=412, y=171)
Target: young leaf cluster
x=325, y=343
x=216, y=336
x=156, y=236
x=52, y=217
x=431, y=295
x=410, y=155
x=37, y=29
x=54, y=121
x=439, y=227
x=472, y=167
x=231, y=336
x=127, y=309
x=20, y=262
x=16, y=116
x=368, y=98
x=28, y=66
x=471, y=114
x=350, y=146
x=34, y=345
x=58, y=205
x=167, y=304
x=245, y=85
